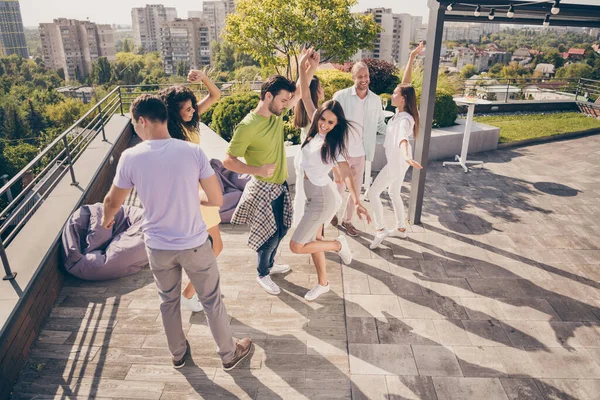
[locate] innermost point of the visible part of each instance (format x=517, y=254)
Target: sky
x=119, y=11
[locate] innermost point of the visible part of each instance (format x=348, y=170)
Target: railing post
x=101, y=122
x=120, y=100
x=507, y=89
x=577, y=90
x=70, y=161
x=9, y=274
x=9, y=195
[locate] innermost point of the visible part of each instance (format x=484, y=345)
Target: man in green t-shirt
x=265, y=204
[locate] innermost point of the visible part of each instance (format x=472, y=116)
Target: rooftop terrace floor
x=495, y=296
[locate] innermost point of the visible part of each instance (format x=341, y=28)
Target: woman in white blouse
x=399, y=156
x=323, y=149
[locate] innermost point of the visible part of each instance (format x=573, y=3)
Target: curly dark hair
x=174, y=97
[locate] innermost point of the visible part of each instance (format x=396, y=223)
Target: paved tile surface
x=495, y=296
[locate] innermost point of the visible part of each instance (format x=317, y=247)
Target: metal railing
x=46, y=170
x=510, y=89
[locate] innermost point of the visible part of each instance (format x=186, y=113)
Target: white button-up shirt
x=373, y=119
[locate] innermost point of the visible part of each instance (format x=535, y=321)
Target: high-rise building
x=416, y=24
x=462, y=32
x=392, y=43
x=12, y=36
x=146, y=23
x=196, y=14
x=187, y=41
x=73, y=46
x=215, y=13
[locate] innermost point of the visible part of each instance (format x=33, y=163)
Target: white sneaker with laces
x=192, y=303
x=316, y=292
x=399, y=234
x=344, y=253
x=267, y=283
x=279, y=269
x=379, y=238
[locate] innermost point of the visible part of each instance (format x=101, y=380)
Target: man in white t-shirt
x=363, y=109
x=167, y=174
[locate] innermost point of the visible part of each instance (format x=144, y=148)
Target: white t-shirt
x=166, y=175
x=315, y=169
x=356, y=146
x=399, y=128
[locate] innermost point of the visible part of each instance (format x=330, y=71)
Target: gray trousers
x=200, y=265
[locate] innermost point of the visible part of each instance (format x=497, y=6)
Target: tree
x=578, y=70
x=18, y=156
x=382, y=75
x=14, y=128
x=35, y=119
x=126, y=47
x=227, y=57
x=273, y=31
x=248, y=73
x=62, y=115
x=182, y=69
x=101, y=71
x=468, y=71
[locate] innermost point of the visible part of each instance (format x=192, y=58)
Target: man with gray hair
x=363, y=109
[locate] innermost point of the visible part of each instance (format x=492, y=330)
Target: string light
x=547, y=21
x=477, y=12
x=450, y=6
x=555, y=7
x=511, y=11
x=492, y=14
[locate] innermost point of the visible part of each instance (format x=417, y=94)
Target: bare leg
x=320, y=261
x=217, y=247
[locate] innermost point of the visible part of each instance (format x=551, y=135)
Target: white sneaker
x=192, y=303
x=379, y=237
x=344, y=253
x=397, y=233
x=316, y=292
x=267, y=283
x=279, y=269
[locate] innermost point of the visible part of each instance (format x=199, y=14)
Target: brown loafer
x=349, y=228
x=242, y=349
x=334, y=221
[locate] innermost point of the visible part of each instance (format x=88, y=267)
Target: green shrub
x=445, y=111
x=290, y=132
x=333, y=81
x=206, y=116
x=230, y=111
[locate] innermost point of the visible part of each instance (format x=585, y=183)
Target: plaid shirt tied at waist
x=255, y=209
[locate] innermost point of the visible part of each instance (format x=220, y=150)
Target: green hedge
x=445, y=111
x=230, y=111
x=333, y=81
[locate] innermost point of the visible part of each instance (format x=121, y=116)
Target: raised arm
x=195, y=76
x=308, y=65
x=407, y=77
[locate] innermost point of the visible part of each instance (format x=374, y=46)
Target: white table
x=462, y=159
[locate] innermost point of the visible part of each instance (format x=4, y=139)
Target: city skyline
x=106, y=12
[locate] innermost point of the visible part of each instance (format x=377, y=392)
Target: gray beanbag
x=94, y=253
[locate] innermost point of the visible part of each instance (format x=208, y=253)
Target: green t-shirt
x=260, y=141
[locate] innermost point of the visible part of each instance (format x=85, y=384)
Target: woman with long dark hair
x=323, y=149
x=398, y=152
x=184, y=124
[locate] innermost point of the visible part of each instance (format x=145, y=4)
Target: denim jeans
x=266, y=253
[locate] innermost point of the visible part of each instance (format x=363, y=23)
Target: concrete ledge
x=523, y=106
x=447, y=142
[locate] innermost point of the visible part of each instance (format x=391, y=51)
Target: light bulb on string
x=477, y=12
x=547, y=21
x=555, y=7
x=492, y=14
x=450, y=6
x=511, y=11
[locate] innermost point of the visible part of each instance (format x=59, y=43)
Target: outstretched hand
x=414, y=163
x=310, y=60
x=417, y=50
x=196, y=75
x=361, y=211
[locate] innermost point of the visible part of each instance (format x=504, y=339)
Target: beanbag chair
x=94, y=253
x=232, y=186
